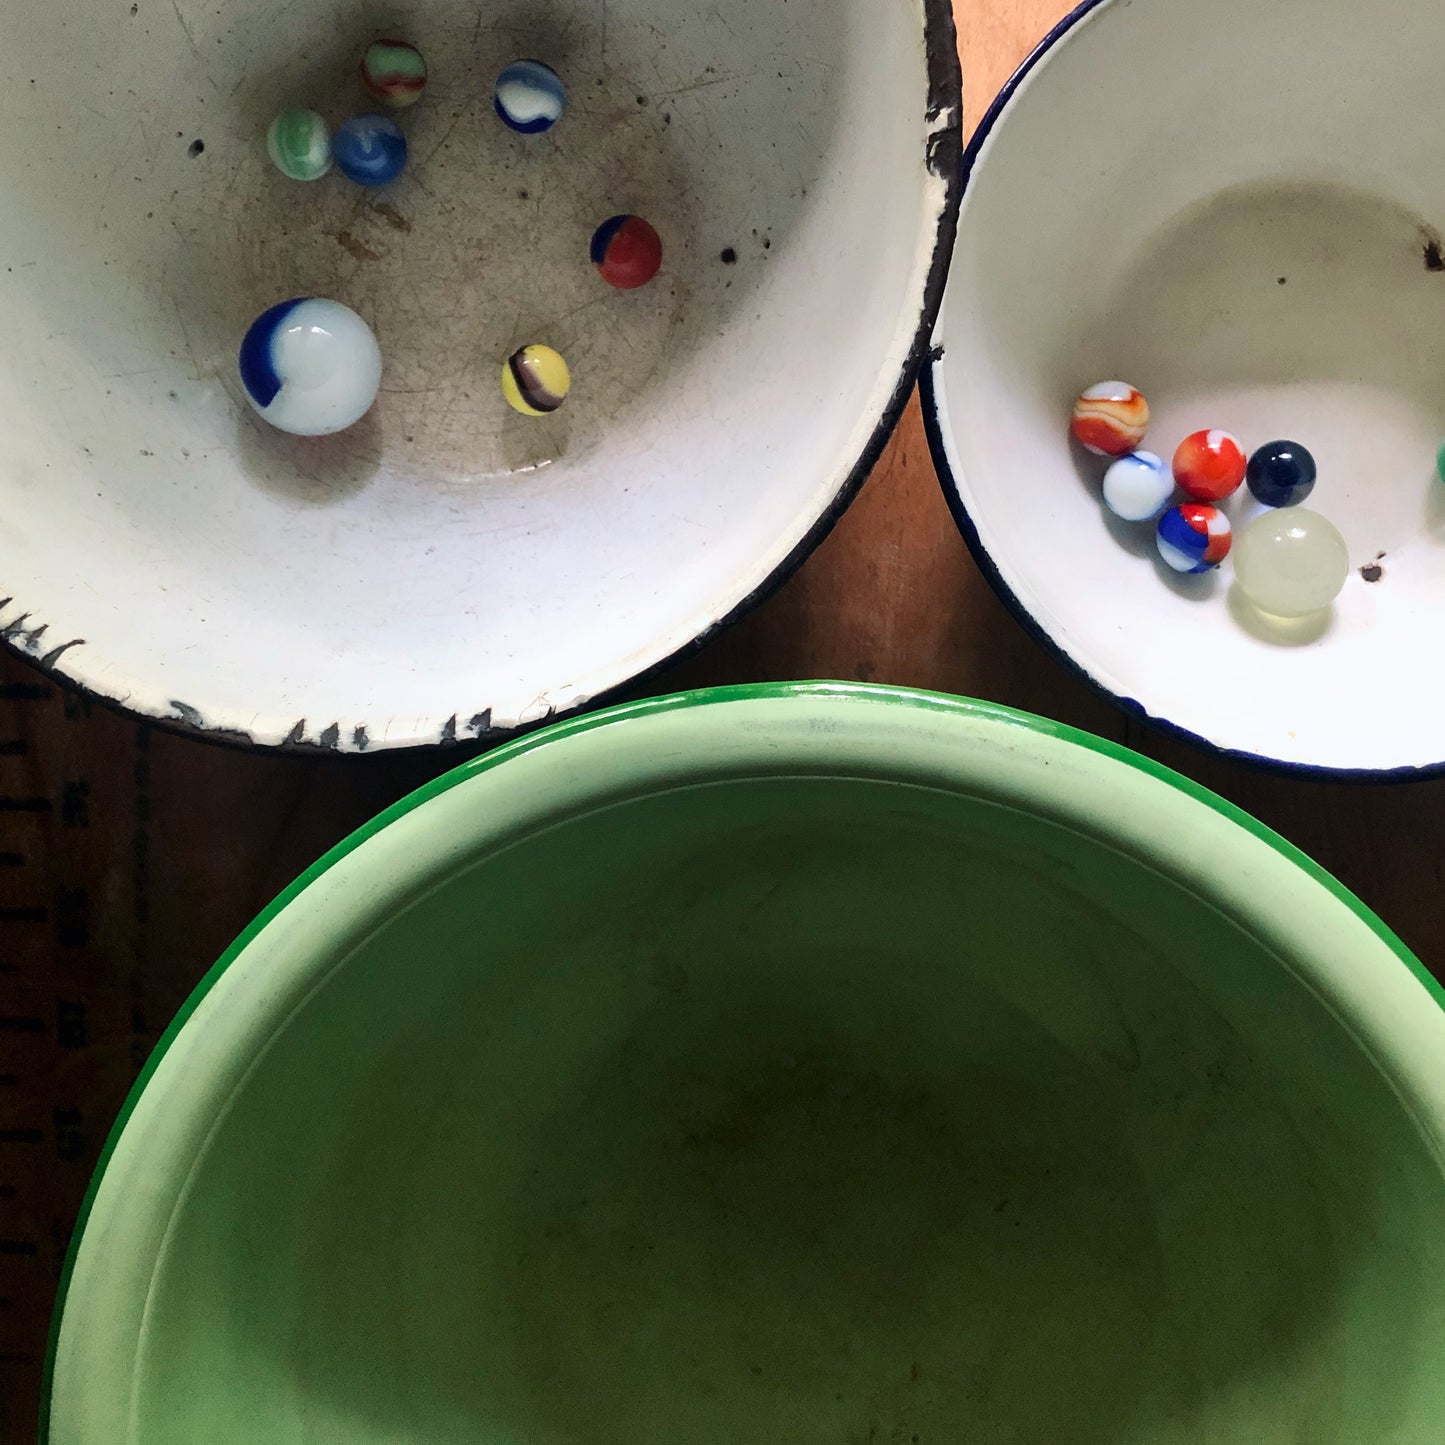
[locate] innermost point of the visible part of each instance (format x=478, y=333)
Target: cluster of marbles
x=368, y=149
x=1289, y=561
x=312, y=366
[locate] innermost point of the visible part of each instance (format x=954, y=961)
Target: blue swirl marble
x=369, y=149
x=530, y=96
x=310, y=366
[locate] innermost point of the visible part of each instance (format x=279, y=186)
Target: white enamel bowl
x=1237, y=207
x=448, y=568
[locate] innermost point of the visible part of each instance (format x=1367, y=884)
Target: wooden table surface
x=129, y=858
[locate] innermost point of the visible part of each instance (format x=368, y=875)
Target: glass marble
x=370, y=149
x=530, y=96
x=1138, y=487
x=535, y=380
x=299, y=145
x=627, y=252
x=1281, y=474
x=1110, y=418
x=394, y=73
x=1291, y=563
x=1194, y=537
x=1209, y=465
x=310, y=366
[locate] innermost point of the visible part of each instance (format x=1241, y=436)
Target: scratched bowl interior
x=1074, y=1108
x=447, y=567
x=1237, y=207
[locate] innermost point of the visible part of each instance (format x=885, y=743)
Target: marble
x=535, y=380
x=370, y=149
x=299, y=144
x=1111, y=418
x=1194, y=537
x=1138, y=487
x=627, y=252
x=1209, y=465
x=1291, y=562
x=530, y=96
x=1281, y=474
x=310, y=366
x=394, y=73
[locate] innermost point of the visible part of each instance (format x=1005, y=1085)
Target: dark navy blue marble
x=1281, y=474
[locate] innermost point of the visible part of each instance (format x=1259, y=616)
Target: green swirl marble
x=300, y=145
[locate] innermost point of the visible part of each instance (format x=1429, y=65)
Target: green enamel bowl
x=809, y=1064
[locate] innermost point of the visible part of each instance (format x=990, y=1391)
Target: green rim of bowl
x=911, y=698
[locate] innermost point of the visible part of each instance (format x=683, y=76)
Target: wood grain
x=130, y=858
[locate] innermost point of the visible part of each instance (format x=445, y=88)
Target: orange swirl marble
x=1110, y=419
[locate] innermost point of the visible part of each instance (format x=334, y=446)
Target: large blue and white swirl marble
x=310, y=366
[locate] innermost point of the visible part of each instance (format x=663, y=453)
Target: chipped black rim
x=943, y=153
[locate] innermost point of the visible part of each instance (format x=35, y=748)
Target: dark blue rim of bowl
x=929, y=386
x=942, y=144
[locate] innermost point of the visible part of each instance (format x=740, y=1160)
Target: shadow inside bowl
x=1279, y=631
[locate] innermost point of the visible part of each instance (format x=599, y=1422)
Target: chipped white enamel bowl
x=447, y=568
x=1237, y=207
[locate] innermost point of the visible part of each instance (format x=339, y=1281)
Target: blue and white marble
x=1138, y=487
x=369, y=149
x=310, y=366
x=530, y=96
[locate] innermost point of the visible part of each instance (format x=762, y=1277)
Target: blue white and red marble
x=310, y=366
x=1194, y=537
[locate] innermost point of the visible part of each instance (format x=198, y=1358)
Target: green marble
x=394, y=73
x=1440, y=461
x=300, y=145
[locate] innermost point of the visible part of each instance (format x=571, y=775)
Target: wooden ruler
x=53, y=885
x=129, y=859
